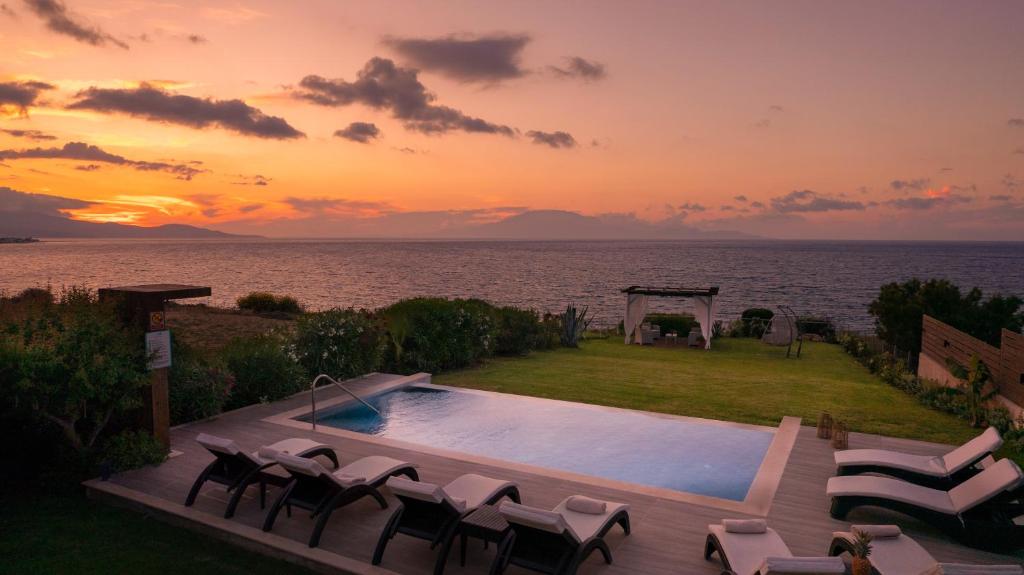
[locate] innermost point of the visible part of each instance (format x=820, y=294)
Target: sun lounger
x=431, y=512
x=939, y=472
x=237, y=469
x=893, y=553
x=969, y=511
x=558, y=541
x=750, y=547
x=317, y=490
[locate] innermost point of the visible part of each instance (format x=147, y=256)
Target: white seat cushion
x=896, y=555
x=475, y=489
x=300, y=465
x=370, y=469
x=988, y=442
x=218, y=444
x=923, y=464
x=550, y=521
x=746, y=552
x=998, y=477
x=801, y=565
x=587, y=525
x=894, y=489
x=423, y=491
x=962, y=569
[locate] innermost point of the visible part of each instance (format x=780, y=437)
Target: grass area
x=67, y=533
x=738, y=380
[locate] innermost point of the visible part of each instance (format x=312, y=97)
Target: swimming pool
x=690, y=455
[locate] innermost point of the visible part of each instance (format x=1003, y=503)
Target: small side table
x=486, y=523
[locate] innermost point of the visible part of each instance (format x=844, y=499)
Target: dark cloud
x=756, y=204
x=726, y=208
x=740, y=198
x=250, y=208
x=552, y=139
x=692, y=207
x=6, y=11
x=763, y=123
x=384, y=86
x=28, y=134
x=361, y=132
x=928, y=202
x=88, y=167
x=89, y=153
x=776, y=108
x=337, y=206
x=1015, y=122
x=1001, y=198
x=915, y=185
x=21, y=95
x=811, y=201
x=58, y=19
x=254, y=180
x=580, y=68
x=1019, y=151
x=152, y=103
x=1010, y=182
x=407, y=150
x=466, y=59
x=15, y=201
x=196, y=39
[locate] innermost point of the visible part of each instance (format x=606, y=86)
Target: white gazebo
x=705, y=307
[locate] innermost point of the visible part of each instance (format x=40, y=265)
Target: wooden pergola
x=636, y=306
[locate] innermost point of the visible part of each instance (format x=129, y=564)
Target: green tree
x=75, y=366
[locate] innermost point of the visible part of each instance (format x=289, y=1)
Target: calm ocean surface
x=837, y=279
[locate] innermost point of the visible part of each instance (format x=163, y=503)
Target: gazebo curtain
x=705, y=309
x=636, y=310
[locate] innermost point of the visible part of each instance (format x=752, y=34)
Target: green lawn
x=738, y=380
x=67, y=533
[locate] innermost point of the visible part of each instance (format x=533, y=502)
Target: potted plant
x=860, y=551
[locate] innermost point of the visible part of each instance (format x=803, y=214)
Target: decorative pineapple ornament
x=861, y=550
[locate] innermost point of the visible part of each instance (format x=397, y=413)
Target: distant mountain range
x=38, y=225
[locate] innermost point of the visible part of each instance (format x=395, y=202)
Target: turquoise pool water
x=692, y=456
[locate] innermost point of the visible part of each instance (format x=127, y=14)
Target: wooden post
x=825, y=425
x=144, y=306
x=840, y=436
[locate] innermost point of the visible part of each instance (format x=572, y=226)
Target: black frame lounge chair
x=750, y=547
x=557, y=542
x=939, y=472
x=431, y=512
x=893, y=553
x=315, y=489
x=237, y=470
x=979, y=512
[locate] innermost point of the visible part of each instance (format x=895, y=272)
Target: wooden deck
x=668, y=536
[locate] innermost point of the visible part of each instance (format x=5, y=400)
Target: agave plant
x=574, y=324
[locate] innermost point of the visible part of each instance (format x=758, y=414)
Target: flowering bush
x=264, y=369
x=342, y=343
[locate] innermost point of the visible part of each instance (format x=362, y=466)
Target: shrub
x=263, y=368
x=131, y=450
x=434, y=334
x=199, y=388
x=753, y=322
x=819, y=326
x=681, y=323
x=73, y=365
x=264, y=302
x=517, y=331
x=342, y=343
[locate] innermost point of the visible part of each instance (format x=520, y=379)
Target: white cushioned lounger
x=465, y=493
x=291, y=446
x=371, y=469
x=1001, y=476
x=941, y=466
x=900, y=554
x=580, y=526
x=764, y=553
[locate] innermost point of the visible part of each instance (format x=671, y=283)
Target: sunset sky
x=867, y=120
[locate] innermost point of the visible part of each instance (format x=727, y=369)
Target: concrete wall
x=940, y=341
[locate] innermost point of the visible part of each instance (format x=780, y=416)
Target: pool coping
x=757, y=502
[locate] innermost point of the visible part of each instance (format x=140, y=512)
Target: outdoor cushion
x=474, y=490
x=300, y=465
x=889, y=488
x=988, y=442
x=996, y=478
x=370, y=469
x=218, y=444
x=878, y=531
x=963, y=569
x=798, y=565
x=542, y=519
x=582, y=504
x=421, y=490
x=587, y=525
x=746, y=552
x=745, y=525
x=896, y=555
x=293, y=446
x=923, y=464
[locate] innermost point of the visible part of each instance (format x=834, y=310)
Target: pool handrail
x=312, y=393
